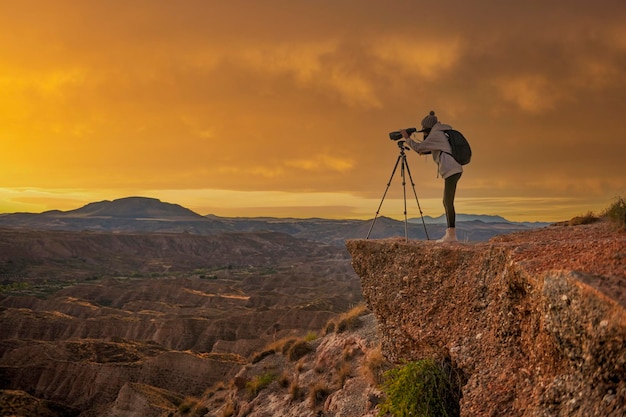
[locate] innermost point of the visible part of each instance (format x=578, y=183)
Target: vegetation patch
x=375, y=365
x=259, y=382
x=587, y=218
x=318, y=393
x=228, y=410
x=347, y=321
x=423, y=389
x=616, y=212
x=259, y=356
x=296, y=393
x=298, y=350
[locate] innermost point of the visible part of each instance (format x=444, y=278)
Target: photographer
x=436, y=143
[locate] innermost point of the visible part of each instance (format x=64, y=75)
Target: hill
x=137, y=208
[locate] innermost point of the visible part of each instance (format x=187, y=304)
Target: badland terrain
x=141, y=308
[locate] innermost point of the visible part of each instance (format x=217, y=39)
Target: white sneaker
x=450, y=236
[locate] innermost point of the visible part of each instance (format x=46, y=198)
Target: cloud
x=321, y=162
x=533, y=94
x=426, y=58
x=283, y=95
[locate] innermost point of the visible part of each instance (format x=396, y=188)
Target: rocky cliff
x=535, y=322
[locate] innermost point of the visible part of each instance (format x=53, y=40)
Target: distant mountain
x=140, y=214
x=485, y=218
x=133, y=208
x=463, y=218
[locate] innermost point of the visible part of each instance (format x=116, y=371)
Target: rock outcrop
x=535, y=322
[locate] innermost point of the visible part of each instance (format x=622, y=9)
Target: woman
x=436, y=143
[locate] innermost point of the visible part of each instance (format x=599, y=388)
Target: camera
x=397, y=135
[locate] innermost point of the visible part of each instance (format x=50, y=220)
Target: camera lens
x=395, y=135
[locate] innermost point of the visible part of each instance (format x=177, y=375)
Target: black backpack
x=461, y=150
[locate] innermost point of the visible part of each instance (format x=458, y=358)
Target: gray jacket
x=437, y=144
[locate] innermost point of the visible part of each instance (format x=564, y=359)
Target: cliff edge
x=534, y=321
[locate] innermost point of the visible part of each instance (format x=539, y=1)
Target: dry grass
x=296, y=393
x=587, y=218
x=211, y=391
x=298, y=349
x=343, y=373
x=259, y=356
x=320, y=368
x=281, y=345
x=331, y=326
x=616, y=213
x=228, y=410
x=191, y=407
x=374, y=366
x=284, y=380
x=349, y=352
x=347, y=321
x=318, y=393
x=187, y=405
x=300, y=365
x=259, y=382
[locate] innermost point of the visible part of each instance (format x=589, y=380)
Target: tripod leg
x=406, y=228
x=385, y=193
x=416, y=200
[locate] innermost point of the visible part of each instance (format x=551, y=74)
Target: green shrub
x=617, y=213
x=420, y=389
x=259, y=382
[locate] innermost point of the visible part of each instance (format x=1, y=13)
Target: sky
x=283, y=107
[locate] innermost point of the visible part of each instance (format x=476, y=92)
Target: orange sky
x=283, y=108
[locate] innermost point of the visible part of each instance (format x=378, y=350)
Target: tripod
x=405, y=166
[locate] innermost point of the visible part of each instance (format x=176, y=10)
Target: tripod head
x=402, y=146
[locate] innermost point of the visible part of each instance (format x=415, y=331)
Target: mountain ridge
x=485, y=218
x=143, y=214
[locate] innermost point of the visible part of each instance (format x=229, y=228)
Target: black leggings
x=449, y=190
